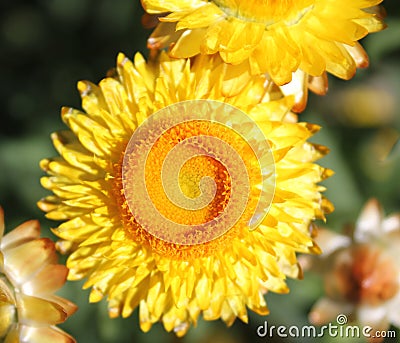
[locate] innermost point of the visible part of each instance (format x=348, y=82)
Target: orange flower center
x=186, y=187
x=189, y=178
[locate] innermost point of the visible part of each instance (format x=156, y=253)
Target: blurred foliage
x=46, y=46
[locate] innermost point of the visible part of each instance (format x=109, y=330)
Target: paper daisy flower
x=361, y=272
x=277, y=37
x=29, y=276
x=170, y=214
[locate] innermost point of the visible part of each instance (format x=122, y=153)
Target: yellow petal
x=339, y=61
x=235, y=79
x=202, y=291
x=188, y=45
x=163, y=36
x=298, y=88
x=7, y=317
x=200, y=17
x=236, y=45
x=68, y=307
x=44, y=335
x=23, y=233
x=13, y=335
x=318, y=84
x=23, y=261
x=48, y=280
x=359, y=55
x=154, y=6
x=33, y=310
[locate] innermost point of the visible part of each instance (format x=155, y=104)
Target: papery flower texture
x=296, y=41
x=182, y=196
x=29, y=276
x=361, y=272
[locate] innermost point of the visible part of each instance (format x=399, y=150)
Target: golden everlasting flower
x=29, y=276
x=113, y=187
x=361, y=271
x=277, y=37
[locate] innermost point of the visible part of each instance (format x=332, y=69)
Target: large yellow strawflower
x=273, y=36
x=112, y=221
x=29, y=276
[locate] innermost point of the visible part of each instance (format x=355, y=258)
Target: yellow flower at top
x=274, y=36
x=181, y=197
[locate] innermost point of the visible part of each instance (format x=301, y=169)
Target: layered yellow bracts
x=296, y=41
x=175, y=282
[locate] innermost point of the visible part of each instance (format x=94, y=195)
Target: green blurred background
x=46, y=46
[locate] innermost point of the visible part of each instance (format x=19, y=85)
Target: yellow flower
x=113, y=187
x=29, y=276
x=277, y=37
x=361, y=272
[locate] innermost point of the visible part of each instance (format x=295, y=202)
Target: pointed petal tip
x=368, y=224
